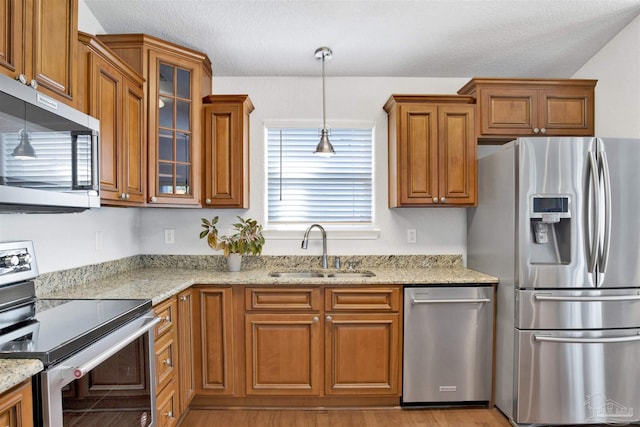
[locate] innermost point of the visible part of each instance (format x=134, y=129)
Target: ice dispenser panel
x=550, y=219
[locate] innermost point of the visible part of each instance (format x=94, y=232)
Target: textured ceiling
x=412, y=38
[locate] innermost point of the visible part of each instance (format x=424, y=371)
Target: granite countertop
x=160, y=277
x=14, y=371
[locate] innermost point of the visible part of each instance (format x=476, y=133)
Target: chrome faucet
x=305, y=242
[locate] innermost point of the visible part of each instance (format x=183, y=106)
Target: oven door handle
x=81, y=371
x=576, y=340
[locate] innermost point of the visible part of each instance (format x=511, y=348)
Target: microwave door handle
x=95, y=154
x=576, y=340
x=593, y=232
x=604, y=257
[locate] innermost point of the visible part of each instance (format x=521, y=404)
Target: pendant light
x=24, y=150
x=324, y=148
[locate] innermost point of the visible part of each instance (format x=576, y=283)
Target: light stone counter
x=14, y=371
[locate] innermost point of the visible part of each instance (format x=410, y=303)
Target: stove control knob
x=25, y=259
x=9, y=261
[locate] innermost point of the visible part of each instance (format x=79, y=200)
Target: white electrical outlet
x=99, y=242
x=169, y=236
x=412, y=235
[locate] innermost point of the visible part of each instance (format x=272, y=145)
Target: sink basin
x=296, y=274
x=318, y=274
x=353, y=274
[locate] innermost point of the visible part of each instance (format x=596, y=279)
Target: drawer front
x=362, y=299
x=166, y=358
x=287, y=299
x=167, y=407
x=167, y=312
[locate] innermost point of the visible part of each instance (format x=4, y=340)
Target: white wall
x=617, y=68
x=439, y=231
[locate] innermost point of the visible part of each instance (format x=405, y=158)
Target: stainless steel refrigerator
x=558, y=221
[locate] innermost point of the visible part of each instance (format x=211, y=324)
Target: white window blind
x=306, y=188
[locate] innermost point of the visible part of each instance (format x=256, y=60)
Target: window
x=304, y=188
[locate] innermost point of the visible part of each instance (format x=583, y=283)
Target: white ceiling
x=412, y=38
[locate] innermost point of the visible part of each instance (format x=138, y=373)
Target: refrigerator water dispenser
x=550, y=241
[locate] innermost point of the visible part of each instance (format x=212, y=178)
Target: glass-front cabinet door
x=174, y=129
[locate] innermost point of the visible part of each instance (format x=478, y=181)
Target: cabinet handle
x=33, y=83
x=536, y=130
x=443, y=199
x=167, y=362
x=329, y=319
x=22, y=78
x=543, y=130
x=435, y=200
x=184, y=298
x=123, y=196
x=315, y=319
x=208, y=201
x=169, y=414
x=166, y=319
x=153, y=199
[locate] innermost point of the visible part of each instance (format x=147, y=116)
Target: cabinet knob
x=328, y=318
x=123, y=196
x=443, y=200
x=169, y=414
x=316, y=319
x=22, y=78
x=167, y=362
x=184, y=298
x=543, y=130
x=33, y=83
x=536, y=130
x=153, y=199
x=435, y=200
x=166, y=319
x=208, y=201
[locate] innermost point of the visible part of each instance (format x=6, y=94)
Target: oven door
x=109, y=382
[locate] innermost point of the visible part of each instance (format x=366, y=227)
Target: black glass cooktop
x=62, y=327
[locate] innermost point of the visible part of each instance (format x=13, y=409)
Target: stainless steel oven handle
x=538, y=297
x=450, y=301
x=81, y=371
x=543, y=338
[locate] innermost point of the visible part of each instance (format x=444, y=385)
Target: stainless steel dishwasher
x=448, y=342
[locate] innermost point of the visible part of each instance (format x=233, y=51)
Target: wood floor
x=346, y=418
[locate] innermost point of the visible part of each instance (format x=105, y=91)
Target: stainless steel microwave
x=48, y=153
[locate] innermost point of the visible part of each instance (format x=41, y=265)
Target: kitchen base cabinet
x=167, y=362
x=167, y=407
x=186, y=376
x=511, y=108
x=16, y=406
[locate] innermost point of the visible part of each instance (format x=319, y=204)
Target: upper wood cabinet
x=112, y=92
x=432, y=150
x=511, y=108
x=176, y=80
x=38, y=44
x=226, y=151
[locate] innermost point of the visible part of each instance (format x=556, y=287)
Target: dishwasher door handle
x=451, y=301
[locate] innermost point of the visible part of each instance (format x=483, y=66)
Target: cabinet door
x=51, y=35
x=16, y=406
x=11, y=37
x=566, y=111
x=134, y=144
x=167, y=406
x=214, y=356
x=283, y=354
x=186, y=378
x=362, y=354
x=509, y=112
x=418, y=154
x=226, y=146
x=457, y=176
x=174, y=130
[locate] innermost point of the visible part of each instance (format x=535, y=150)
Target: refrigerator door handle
x=576, y=340
x=593, y=233
x=604, y=256
x=579, y=298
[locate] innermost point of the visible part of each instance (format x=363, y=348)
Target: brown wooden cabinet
x=38, y=44
x=362, y=344
x=16, y=406
x=226, y=151
x=283, y=341
x=113, y=93
x=167, y=362
x=511, y=108
x=167, y=407
x=213, y=345
x=176, y=80
x=432, y=151
x=186, y=377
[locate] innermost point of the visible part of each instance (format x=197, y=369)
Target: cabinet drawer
x=16, y=406
x=167, y=406
x=167, y=311
x=165, y=359
x=367, y=299
x=288, y=299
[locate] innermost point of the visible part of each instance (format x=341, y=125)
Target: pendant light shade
x=24, y=150
x=324, y=147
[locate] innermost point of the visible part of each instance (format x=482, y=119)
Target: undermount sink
x=319, y=274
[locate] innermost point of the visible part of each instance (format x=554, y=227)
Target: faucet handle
x=336, y=263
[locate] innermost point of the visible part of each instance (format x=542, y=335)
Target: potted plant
x=247, y=239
